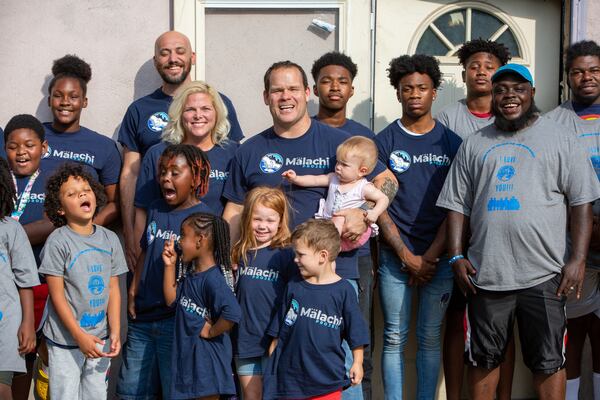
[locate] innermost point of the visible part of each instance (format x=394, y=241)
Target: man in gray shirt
x=480, y=59
x=510, y=183
x=581, y=116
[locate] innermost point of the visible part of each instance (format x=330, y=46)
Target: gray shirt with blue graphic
x=86, y=264
x=515, y=187
x=460, y=120
x=588, y=134
x=17, y=270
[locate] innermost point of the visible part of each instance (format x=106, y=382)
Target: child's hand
x=131, y=305
x=371, y=217
x=115, y=345
x=169, y=255
x=273, y=346
x=290, y=175
x=205, y=332
x=88, y=344
x=356, y=374
x=26, y=335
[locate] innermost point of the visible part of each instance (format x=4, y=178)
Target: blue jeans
x=353, y=392
x=396, y=295
x=146, y=368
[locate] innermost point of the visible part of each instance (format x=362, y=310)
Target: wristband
x=455, y=259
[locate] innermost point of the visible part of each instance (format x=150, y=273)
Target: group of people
x=251, y=266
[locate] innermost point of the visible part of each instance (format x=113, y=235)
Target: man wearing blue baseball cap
x=512, y=184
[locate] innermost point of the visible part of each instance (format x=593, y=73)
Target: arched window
x=449, y=27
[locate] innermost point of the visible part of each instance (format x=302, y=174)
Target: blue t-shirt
x=146, y=118
x=357, y=129
x=262, y=159
x=147, y=188
x=259, y=290
x=162, y=223
x=34, y=211
x=202, y=367
x=2, y=143
x=98, y=153
x=420, y=163
x=311, y=324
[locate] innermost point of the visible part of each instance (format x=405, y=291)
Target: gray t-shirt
x=588, y=134
x=86, y=264
x=515, y=188
x=17, y=270
x=460, y=120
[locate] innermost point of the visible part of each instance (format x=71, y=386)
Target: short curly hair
x=52, y=204
x=421, y=63
x=333, y=58
x=71, y=66
x=24, y=121
x=483, y=46
x=581, y=49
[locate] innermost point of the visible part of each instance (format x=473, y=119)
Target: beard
x=516, y=124
x=174, y=80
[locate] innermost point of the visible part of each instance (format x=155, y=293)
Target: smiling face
x=66, y=101
x=512, y=96
x=176, y=181
x=199, y=118
x=334, y=87
x=478, y=72
x=310, y=262
x=24, y=150
x=287, y=97
x=265, y=224
x=584, y=79
x=416, y=94
x=173, y=57
x=77, y=200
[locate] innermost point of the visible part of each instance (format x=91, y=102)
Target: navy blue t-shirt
x=2, y=143
x=259, y=290
x=357, y=129
x=98, y=153
x=146, y=118
x=202, y=367
x=147, y=188
x=420, y=163
x=311, y=324
x=162, y=223
x=34, y=211
x=262, y=159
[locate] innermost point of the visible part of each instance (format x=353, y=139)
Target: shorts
x=590, y=296
x=542, y=322
x=6, y=377
x=250, y=366
x=458, y=301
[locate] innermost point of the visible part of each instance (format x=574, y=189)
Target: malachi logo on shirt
x=70, y=155
x=292, y=314
x=271, y=163
x=270, y=275
x=153, y=232
x=329, y=321
x=158, y=121
x=399, y=161
x=189, y=306
x=218, y=175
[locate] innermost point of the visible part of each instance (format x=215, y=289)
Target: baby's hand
x=169, y=255
x=356, y=374
x=290, y=175
x=371, y=217
x=205, y=332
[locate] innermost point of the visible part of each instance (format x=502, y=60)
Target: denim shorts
x=250, y=366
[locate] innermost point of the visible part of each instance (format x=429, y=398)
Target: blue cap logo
x=400, y=161
x=270, y=163
x=158, y=121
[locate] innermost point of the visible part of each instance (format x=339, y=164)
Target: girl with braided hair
x=183, y=172
x=206, y=308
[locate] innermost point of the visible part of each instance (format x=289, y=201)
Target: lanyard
x=20, y=208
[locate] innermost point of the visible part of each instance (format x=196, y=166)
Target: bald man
x=146, y=117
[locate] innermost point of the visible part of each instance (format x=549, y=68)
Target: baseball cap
x=518, y=69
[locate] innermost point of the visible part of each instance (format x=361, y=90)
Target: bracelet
x=455, y=259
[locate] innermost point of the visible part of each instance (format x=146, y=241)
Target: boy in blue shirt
x=319, y=310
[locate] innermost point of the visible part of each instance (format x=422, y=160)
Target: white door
x=236, y=41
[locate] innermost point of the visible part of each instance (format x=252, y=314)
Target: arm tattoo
x=389, y=188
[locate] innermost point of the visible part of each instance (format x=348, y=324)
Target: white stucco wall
x=115, y=37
